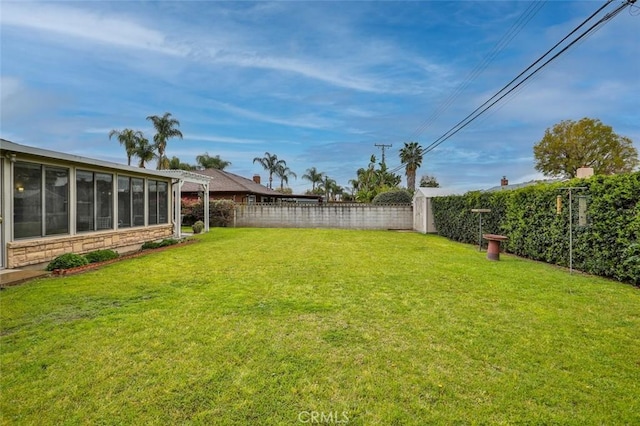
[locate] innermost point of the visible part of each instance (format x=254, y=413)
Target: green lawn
x=267, y=326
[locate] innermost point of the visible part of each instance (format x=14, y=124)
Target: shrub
x=101, y=255
x=393, y=197
x=157, y=244
x=220, y=212
x=609, y=245
x=168, y=242
x=66, y=261
x=197, y=227
x=192, y=211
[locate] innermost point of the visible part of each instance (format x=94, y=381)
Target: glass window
x=153, y=202
x=56, y=200
x=27, y=200
x=104, y=201
x=40, y=192
x=124, y=202
x=85, y=205
x=162, y=202
x=137, y=191
x=158, y=202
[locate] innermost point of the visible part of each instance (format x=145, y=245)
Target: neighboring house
x=505, y=185
x=229, y=186
x=53, y=203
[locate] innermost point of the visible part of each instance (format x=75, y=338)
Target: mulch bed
x=96, y=265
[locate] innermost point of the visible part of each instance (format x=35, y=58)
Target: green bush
x=393, y=197
x=609, y=245
x=101, y=255
x=220, y=212
x=197, y=227
x=157, y=244
x=66, y=261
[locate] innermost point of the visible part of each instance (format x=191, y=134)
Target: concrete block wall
x=43, y=250
x=343, y=216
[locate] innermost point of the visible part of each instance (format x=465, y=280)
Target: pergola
x=179, y=177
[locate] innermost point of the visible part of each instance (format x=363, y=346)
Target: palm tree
x=330, y=188
x=283, y=172
x=313, y=176
x=411, y=157
x=165, y=129
x=271, y=164
x=144, y=151
x=128, y=138
x=208, y=162
x=176, y=164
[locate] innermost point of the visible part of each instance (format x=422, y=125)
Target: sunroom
x=54, y=203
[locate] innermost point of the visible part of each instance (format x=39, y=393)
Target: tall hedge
x=455, y=220
x=609, y=245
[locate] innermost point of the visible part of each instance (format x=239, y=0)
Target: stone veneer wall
x=33, y=252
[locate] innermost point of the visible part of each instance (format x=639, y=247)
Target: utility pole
x=383, y=146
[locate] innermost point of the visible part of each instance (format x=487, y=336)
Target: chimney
x=584, y=172
x=504, y=181
x=256, y=179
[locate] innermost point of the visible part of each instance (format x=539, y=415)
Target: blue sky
x=317, y=83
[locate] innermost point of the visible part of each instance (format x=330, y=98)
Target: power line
x=479, y=110
x=511, y=86
x=515, y=28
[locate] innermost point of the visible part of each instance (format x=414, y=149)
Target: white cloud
x=307, y=121
x=221, y=139
x=212, y=47
x=80, y=24
x=18, y=102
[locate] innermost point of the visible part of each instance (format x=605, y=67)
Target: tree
x=270, y=163
x=166, y=128
x=395, y=196
x=176, y=164
x=569, y=145
x=411, y=157
x=207, y=162
x=286, y=191
x=313, y=176
x=283, y=172
x=144, y=151
x=330, y=189
x=427, y=181
x=371, y=181
x=129, y=138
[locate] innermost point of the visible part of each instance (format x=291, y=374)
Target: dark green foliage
x=197, y=227
x=608, y=246
x=101, y=256
x=393, y=197
x=455, y=220
x=66, y=261
x=157, y=244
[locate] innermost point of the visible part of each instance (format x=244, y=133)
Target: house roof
x=14, y=148
x=521, y=185
x=221, y=181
